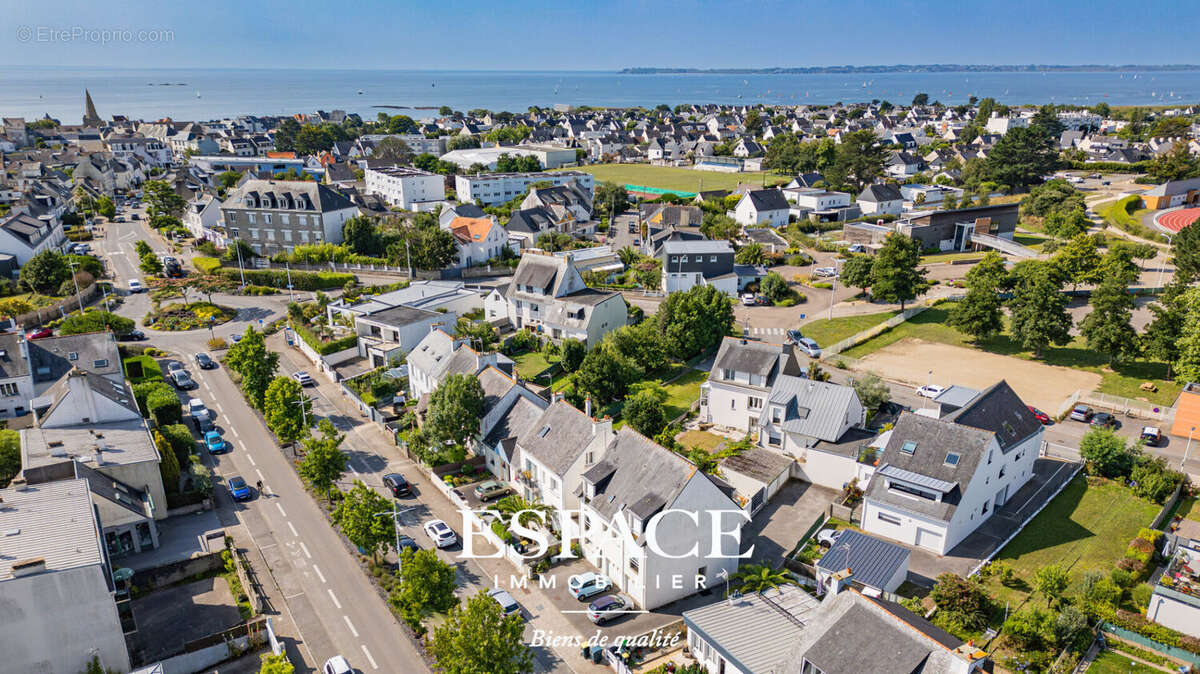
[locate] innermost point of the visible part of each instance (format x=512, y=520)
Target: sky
x=593, y=35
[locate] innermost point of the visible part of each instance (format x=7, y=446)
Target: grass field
x=1115, y=662
x=671, y=178
x=532, y=363
x=1122, y=380
x=682, y=392
x=1085, y=527
x=827, y=331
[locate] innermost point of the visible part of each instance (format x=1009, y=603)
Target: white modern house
x=740, y=382
x=23, y=235
x=758, y=207
x=938, y=479
x=493, y=189
x=554, y=451
x=440, y=355
x=547, y=295
x=624, y=490
x=880, y=199
x=406, y=187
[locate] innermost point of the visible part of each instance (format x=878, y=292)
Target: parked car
x=441, y=533
x=303, y=378
x=507, y=604
x=239, y=489
x=132, y=336
x=204, y=362
x=606, y=608
x=39, y=333
x=236, y=338
x=794, y=336
x=196, y=406
x=826, y=272
x=134, y=216
x=749, y=300
x=215, y=443
x=337, y=665
x=407, y=543
x=809, y=347
x=930, y=391
x=490, y=490
x=182, y=380
x=1041, y=416
x=135, y=286
x=1104, y=420
x=827, y=537
x=585, y=585
x=174, y=366
x=204, y=423
x=1151, y=436
x=1082, y=413
x=858, y=248
x=396, y=484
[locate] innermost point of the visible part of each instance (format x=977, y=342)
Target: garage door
x=931, y=540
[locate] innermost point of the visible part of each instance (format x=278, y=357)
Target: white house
x=1174, y=602
x=479, y=240
x=938, y=479
x=16, y=378
x=758, y=207
x=405, y=187
x=624, y=491
x=440, y=355
x=492, y=189
x=554, y=451
x=202, y=217
x=740, y=382
x=880, y=199
x=819, y=200
x=548, y=295
x=510, y=410
x=23, y=235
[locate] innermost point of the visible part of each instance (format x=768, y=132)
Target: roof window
x=909, y=447
x=952, y=459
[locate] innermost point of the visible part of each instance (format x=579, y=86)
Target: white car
x=827, y=537
x=440, y=533
x=303, y=378
x=196, y=407
x=135, y=286
x=748, y=300
x=930, y=391
x=337, y=665
x=827, y=272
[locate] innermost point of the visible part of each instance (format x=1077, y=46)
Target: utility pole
x=1187, y=453
x=291, y=292
x=238, y=247
x=408, y=254
x=395, y=515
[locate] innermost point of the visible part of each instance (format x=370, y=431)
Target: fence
x=828, y=352
x=1160, y=522
x=1135, y=638
x=1029, y=519
x=39, y=316
x=1139, y=409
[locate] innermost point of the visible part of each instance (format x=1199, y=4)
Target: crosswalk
x=768, y=331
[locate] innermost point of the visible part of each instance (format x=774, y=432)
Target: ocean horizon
x=210, y=93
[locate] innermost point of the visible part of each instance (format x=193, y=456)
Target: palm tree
x=760, y=577
x=511, y=505
x=628, y=255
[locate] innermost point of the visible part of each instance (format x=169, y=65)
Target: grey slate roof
x=521, y=415
x=755, y=631
x=1000, y=411
x=558, y=437
x=50, y=357
x=696, y=246
x=645, y=477
x=873, y=561
x=879, y=192
x=761, y=358
x=767, y=200
x=12, y=363
x=813, y=408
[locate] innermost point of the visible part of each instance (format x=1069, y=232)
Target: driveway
x=1049, y=475
x=777, y=528
x=169, y=618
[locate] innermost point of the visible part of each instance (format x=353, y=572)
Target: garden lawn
x=671, y=178
x=951, y=257
x=827, y=331
x=1116, y=662
x=1124, y=379
x=709, y=442
x=1034, y=241
x=532, y=363
x=682, y=392
x=1085, y=527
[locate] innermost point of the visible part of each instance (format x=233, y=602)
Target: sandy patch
x=1040, y=385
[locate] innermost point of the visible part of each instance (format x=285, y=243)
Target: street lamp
x=833, y=289
x=1187, y=452
x=1160, y=267
x=395, y=515
x=303, y=403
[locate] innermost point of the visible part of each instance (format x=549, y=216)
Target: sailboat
x=197, y=93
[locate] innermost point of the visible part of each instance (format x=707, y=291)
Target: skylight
x=909, y=447
x=542, y=433
x=951, y=459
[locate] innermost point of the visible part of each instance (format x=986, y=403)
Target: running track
x=1177, y=220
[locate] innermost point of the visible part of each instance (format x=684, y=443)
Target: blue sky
x=591, y=35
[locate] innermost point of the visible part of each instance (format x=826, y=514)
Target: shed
x=874, y=563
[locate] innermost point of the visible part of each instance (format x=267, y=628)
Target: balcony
x=1181, y=579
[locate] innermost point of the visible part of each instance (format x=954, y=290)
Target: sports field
x=672, y=178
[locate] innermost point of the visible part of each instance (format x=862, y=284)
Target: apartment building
x=405, y=187
x=493, y=189
x=275, y=216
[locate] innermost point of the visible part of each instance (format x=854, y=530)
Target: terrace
x=1181, y=579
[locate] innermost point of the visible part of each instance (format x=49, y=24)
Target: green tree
x=965, y=599
x=313, y=139
x=1160, y=341
x=161, y=200
x=980, y=313
x=426, y=585
x=1178, y=163
x=858, y=161
x=896, y=275
x=1106, y=453
x=572, y=355
x=45, y=272
x=286, y=409
x=856, y=271
x=95, y=321
x=1053, y=196
x=643, y=410
x=1067, y=224
x=455, y=409
x=142, y=248
x=1079, y=260
x=392, y=149
x=362, y=236
x=255, y=363
x=1185, y=253
x=695, y=321
x=151, y=265
x=757, y=578
x=480, y=334
x=428, y=246
x=1038, y=308
x=168, y=466
x=1046, y=121
x=275, y=664
x=605, y=373
x=920, y=99
x=478, y=637
x=106, y=207
x=1050, y=582
x=285, y=135
x=226, y=180
x=1187, y=365
x=10, y=456
x=1108, y=328
x=365, y=517
x=775, y=288
x=718, y=226
x=1021, y=157
x=872, y=391
x=753, y=123
x=751, y=253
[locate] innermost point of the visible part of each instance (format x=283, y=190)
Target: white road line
x=252, y=462
x=369, y=658
x=319, y=574
x=306, y=554
x=335, y=601
x=352, y=468
x=351, y=626
x=218, y=406
x=280, y=506
x=260, y=475
x=235, y=433
x=293, y=528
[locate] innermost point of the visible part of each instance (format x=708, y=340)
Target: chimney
x=28, y=567
x=587, y=406
x=837, y=582
x=968, y=657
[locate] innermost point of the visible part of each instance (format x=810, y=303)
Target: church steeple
x=90, y=117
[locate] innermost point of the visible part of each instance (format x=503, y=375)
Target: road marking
x=280, y=506
x=218, y=406
x=306, y=554
x=350, y=625
x=335, y=601
x=319, y=574
x=260, y=475
x=293, y=528
x=252, y=463
x=369, y=658
x=235, y=433
x=352, y=468
x=293, y=596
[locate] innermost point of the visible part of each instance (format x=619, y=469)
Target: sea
x=205, y=94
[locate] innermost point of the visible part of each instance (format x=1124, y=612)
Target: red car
x=1039, y=415
x=39, y=333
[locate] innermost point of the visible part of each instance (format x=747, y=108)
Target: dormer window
x=776, y=414
x=589, y=490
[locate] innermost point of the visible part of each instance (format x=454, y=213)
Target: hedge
x=143, y=391
x=149, y=369
x=1136, y=167
x=1136, y=622
x=322, y=347
x=302, y=280
x=206, y=265
x=180, y=439
x=164, y=407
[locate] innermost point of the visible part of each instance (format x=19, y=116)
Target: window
x=683, y=260
x=728, y=375
x=267, y=218
x=755, y=403
x=250, y=218
x=712, y=259
x=890, y=519
x=776, y=414
x=909, y=447
x=8, y=389
x=774, y=439
x=1008, y=427
x=73, y=356
x=287, y=235
x=912, y=491
x=951, y=459
x=984, y=509
x=103, y=362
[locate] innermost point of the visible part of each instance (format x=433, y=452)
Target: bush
x=322, y=347
x=259, y=290
x=823, y=285
x=216, y=344
x=164, y=407
x=142, y=368
x=1141, y=595
x=302, y=280
x=206, y=265
x=143, y=391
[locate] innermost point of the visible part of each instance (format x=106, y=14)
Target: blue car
x=215, y=443
x=239, y=489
